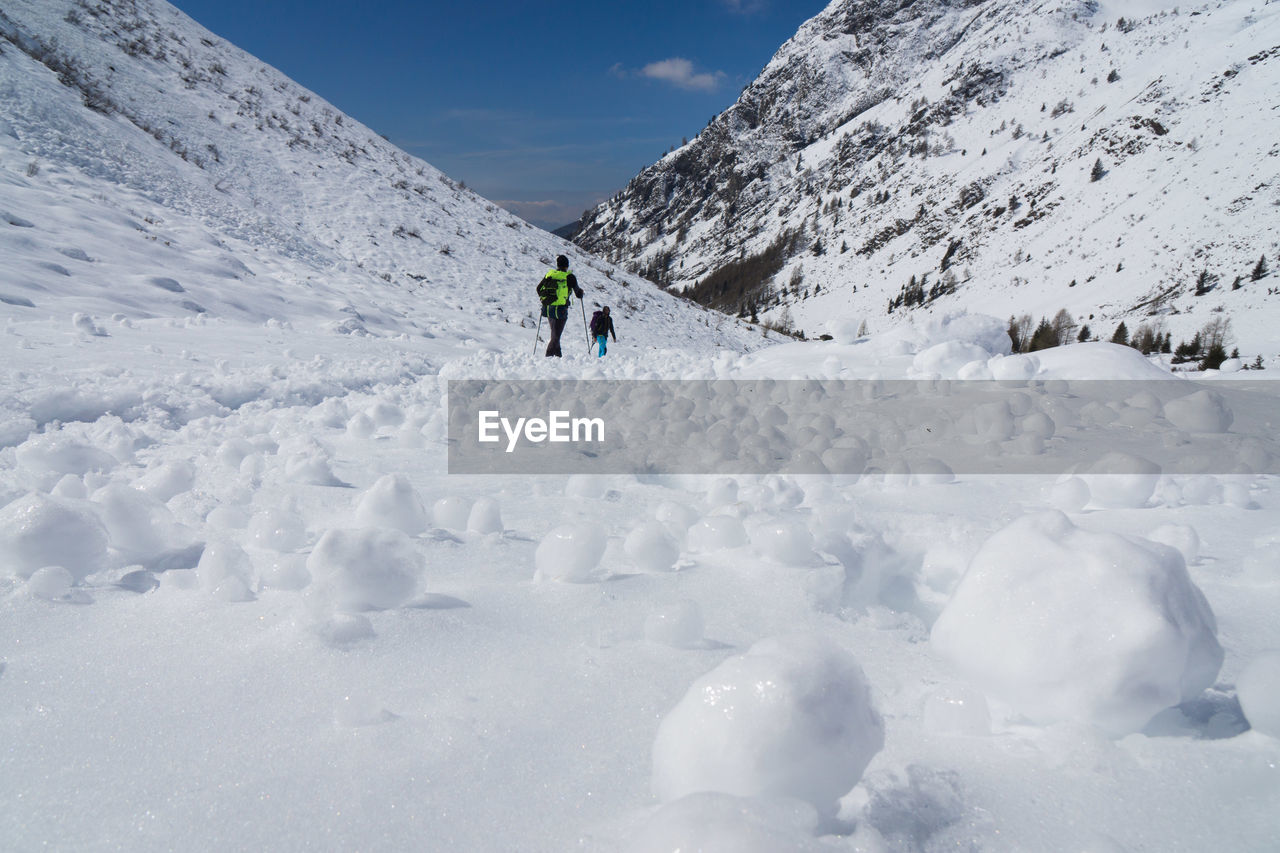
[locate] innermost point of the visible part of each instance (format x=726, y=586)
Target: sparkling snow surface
x=244, y=607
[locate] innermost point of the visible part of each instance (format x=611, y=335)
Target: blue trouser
x=600, y=339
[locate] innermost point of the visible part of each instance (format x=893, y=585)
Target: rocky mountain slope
x=1117, y=160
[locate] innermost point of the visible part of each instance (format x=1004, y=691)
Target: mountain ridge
x=897, y=142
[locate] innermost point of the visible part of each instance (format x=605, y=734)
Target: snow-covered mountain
x=244, y=604
x=952, y=145
x=149, y=169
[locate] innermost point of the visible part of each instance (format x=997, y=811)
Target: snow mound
x=1068, y=624
x=366, y=569
x=790, y=718
x=392, y=502
x=38, y=531
x=570, y=552
x=1258, y=689
x=957, y=709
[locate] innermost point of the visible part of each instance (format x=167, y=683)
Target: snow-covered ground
x=244, y=606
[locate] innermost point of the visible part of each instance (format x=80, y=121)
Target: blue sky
x=546, y=108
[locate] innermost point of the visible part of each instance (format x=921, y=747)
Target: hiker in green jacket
x=557, y=283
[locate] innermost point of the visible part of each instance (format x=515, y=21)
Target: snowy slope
x=126, y=128
x=244, y=606
x=953, y=143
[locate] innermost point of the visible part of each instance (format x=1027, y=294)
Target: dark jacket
x=602, y=324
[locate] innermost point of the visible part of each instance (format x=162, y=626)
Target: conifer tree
x=1098, y=172
x=1121, y=335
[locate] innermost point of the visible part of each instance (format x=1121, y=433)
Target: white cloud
x=679, y=72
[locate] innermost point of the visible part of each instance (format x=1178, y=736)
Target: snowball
x=277, y=530
x=1258, y=689
x=38, y=531
x=1069, y=495
x=722, y=493
x=1068, y=624
x=651, y=548
x=790, y=718
x=392, y=502
x=311, y=468
x=233, y=451
x=367, y=569
x=70, y=487
x=679, y=625
x=384, y=414
x=451, y=513
x=1121, y=481
x=50, y=583
x=947, y=359
x=139, y=527
x=677, y=517
x=586, y=486
x=485, y=517
x=716, y=532
x=167, y=480
x=286, y=571
x=361, y=426
x=786, y=542
x=226, y=571
x=1180, y=536
x=53, y=454
x=720, y=823
x=1203, y=411
x=957, y=709
x=571, y=552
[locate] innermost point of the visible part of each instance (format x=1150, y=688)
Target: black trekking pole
x=537, y=338
x=585, y=330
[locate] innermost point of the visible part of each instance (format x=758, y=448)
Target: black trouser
x=557, y=324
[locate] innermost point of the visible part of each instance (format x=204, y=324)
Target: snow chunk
x=168, y=480
x=277, y=529
x=394, y=503
x=1121, y=481
x=86, y=324
x=54, y=455
x=1203, y=411
x=786, y=542
x=717, y=532
x=50, y=583
x=226, y=571
x=38, y=531
x=679, y=625
x=1068, y=624
x=485, y=517
x=140, y=527
x=1258, y=689
x=946, y=359
x=790, y=718
x=651, y=548
x=368, y=569
x=451, y=513
x=571, y=552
